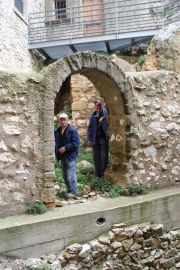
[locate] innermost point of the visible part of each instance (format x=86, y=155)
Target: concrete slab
x=31, y=236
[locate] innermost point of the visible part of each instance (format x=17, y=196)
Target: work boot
x=71, y=196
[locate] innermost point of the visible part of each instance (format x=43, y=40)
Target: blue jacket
x=93, y=126
x=72, y=142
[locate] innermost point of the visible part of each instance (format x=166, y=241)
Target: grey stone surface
x=150, y=253
x=164, y=50
x=143, y=126
x=32, y=236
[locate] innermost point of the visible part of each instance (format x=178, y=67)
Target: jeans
x=100, y=157
x=70, y=176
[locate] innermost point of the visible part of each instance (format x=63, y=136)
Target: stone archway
x=110, y=80
x=77, y=96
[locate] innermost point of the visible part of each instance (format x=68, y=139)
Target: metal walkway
x=102, y=26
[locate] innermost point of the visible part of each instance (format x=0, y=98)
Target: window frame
x=61, y=12
x=23, y=16
x=19, y=7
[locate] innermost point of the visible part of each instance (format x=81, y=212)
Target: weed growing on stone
x=104, y=186
x=137, y=189
x=36, y=208
x=44, y=266
x=141, y=60
x=88, y=182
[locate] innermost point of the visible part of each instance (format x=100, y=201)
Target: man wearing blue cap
x=98, y=138
x=66, y=149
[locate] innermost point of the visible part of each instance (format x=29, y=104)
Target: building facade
x=14, y=52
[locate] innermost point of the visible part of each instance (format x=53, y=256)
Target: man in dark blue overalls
x=98, y=138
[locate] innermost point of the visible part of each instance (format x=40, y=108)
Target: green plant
x=61, y=194
x=86, y=171
x=58, y=174
x=85, y=155
x=141, y=60
x=115, y=191
x=68, y=110
x=36, y=208
x=44, y=266
x=84, y=178
x=88, y=182
x=135, y=189
x=104, y=186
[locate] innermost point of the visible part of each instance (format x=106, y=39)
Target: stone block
x=78, y=106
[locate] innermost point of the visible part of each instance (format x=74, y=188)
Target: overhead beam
x=134, y=43
x=108, y=47
x=72, y=48
x=44, y=54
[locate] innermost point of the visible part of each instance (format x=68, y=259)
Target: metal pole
x=116, y=18
x=163, y=14
x=71, y=15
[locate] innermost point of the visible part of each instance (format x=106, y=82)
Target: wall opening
x=109, y=80
x=79, y=92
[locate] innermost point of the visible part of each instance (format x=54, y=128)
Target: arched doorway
x=110, y=81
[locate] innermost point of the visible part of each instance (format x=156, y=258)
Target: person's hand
x=62, y=150
x=101, y=119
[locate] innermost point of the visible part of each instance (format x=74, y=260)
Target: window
x=60, y=6
x=19, y=4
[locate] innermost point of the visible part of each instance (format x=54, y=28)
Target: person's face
x=98, y=107
x=63, y=122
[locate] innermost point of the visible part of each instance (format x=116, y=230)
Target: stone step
x=27, y=236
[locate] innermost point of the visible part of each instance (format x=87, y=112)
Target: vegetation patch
x=88, y=182
x=45, y=266
x=141, y=60
x=36, y=208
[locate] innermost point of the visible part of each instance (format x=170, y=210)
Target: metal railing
x=114, y=17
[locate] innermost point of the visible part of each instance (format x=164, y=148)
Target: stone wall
x=79, y=96
x=143, y=116
x=155, y=128
x=15, y=55
x=20, y=157
x=143, y=125
x=83, y=95
x=164, y=50
x=137, y=247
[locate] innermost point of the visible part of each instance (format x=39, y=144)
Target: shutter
x=19, y=4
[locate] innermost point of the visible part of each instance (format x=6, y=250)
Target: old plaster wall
x=14, y=52
x=20, y=156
